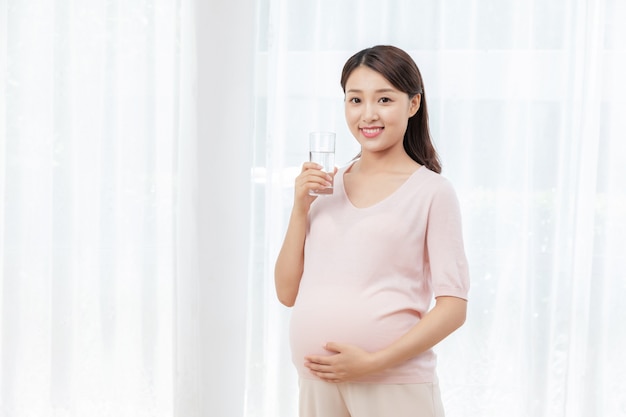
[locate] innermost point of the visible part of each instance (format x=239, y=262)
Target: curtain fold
x=524, y=101
x=95, y=105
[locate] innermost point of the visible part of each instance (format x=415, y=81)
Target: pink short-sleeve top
x=371, y=273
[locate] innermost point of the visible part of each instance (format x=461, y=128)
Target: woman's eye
x=385, y=100
x=355, y=100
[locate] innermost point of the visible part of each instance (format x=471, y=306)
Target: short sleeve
x=444, y=244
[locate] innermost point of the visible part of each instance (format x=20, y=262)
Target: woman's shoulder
x=432, y=178
x=433, y=184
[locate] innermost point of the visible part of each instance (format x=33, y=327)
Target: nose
x=369, y=113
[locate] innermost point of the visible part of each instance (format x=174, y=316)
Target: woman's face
x=376, y=112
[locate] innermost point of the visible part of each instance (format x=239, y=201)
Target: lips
x=371, y=132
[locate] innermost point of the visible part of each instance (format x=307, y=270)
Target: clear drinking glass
x=322, y=151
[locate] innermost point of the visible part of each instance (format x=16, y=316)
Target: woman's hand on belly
x=346, y=363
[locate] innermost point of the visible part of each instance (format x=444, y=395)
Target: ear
x=414, y=104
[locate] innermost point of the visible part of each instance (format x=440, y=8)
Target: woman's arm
x=350, y=362
x=446, y=316
x=290, y=261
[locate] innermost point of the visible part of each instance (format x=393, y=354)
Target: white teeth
x=371, y=131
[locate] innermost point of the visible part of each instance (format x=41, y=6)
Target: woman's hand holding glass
x=311, y=178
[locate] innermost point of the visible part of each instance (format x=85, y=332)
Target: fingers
x=312, y=178
x=324, y=371
x=318, y=367
x=333, y=347
x=319, y=364
x=328, y=376
x=346, y=362
x=318, y=360
x=310, y=165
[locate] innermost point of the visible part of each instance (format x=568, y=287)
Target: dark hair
x=401, y=71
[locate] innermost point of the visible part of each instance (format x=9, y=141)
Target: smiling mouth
x=370, y=132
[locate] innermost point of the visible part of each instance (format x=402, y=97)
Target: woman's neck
x=371, y=164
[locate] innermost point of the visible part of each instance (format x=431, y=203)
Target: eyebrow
x=382, y=90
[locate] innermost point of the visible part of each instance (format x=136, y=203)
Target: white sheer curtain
x=96, y=114
x=125, y=147
x=526, y=101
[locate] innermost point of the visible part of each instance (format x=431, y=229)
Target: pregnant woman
x=362, y=266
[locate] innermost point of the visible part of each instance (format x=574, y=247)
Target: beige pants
x=323, y=399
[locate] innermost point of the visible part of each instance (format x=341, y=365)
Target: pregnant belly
x=369, y=323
